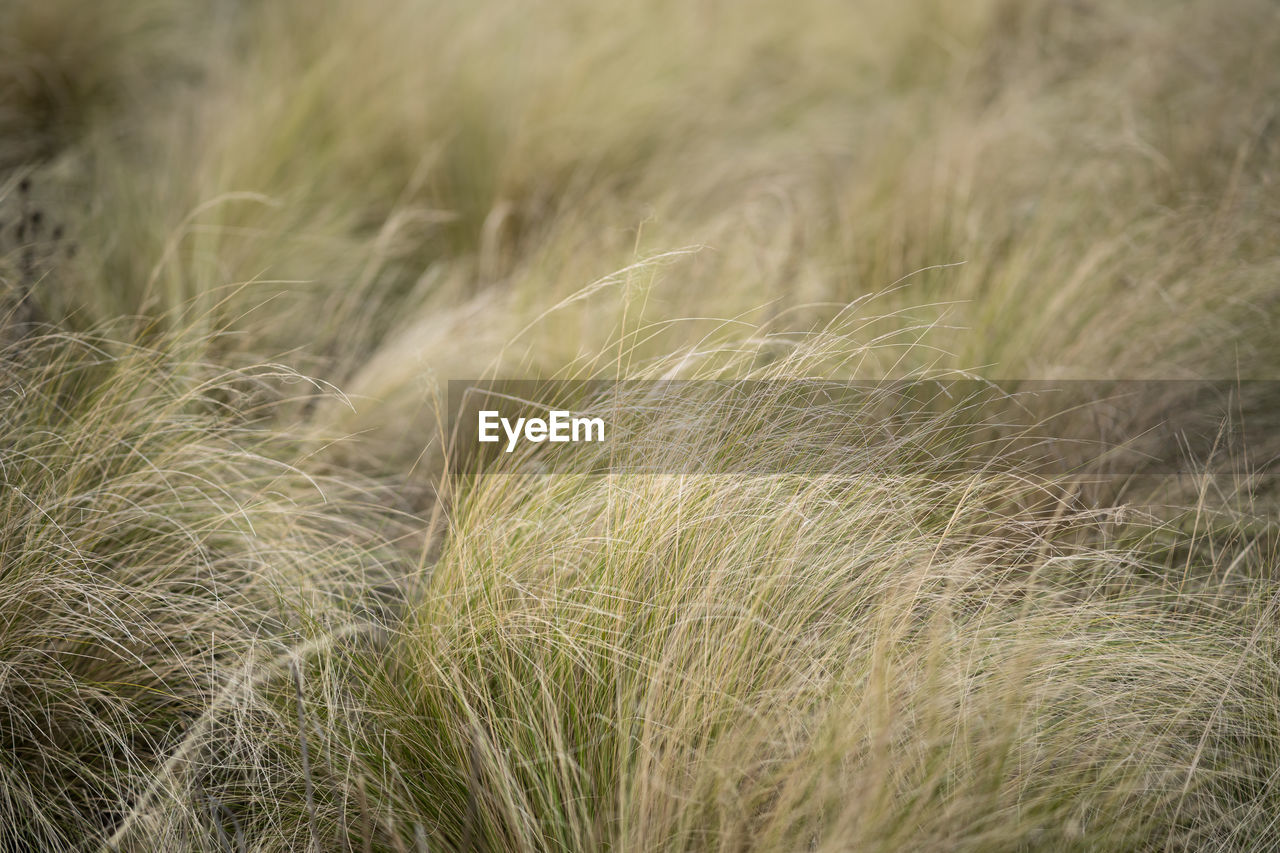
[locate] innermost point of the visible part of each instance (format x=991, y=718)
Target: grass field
x=246, y=603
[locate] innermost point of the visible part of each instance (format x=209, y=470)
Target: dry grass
x=240, y=617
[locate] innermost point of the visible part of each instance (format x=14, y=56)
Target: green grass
x=247, y=606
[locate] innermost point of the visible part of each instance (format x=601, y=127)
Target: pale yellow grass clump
x=240, y=617
x=155, y=545
x=884, y=657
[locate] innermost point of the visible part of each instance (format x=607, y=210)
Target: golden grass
x=240, y=617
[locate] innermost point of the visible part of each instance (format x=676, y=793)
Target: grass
x=155, y=543
x=248, y=606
